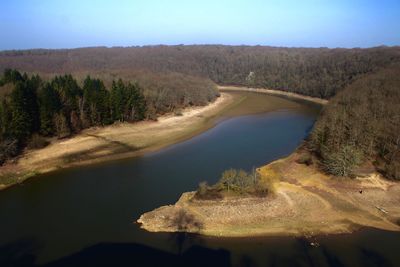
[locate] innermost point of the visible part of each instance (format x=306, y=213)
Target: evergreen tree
x=60, y=107
x=33, y=85
x=136, y=104
x=49, y=105
x=5, y=119
x=127, y=102
x=22, y=123
x=12, y=76
x=117, y=100
x=96, y=102
x=68, y=90
x=70, y=94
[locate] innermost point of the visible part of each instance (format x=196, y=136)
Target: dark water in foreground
x=83, y=217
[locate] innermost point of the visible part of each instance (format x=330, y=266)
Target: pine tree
x=70, y=94
x=49, y=105
x=136, y=104
x=5, y=119
x=96, y=102
x=12, y=76
x=117, y=100
x=22, y=120
x=33, y=85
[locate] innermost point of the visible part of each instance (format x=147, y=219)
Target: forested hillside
x=362, y=123
x=32, y=108
x=319, y=72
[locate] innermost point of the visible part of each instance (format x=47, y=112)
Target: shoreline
x=273, y=92
x=306, y=202
x=115, y=142
x=124, y=140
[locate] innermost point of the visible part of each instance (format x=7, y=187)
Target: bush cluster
x=235, y=182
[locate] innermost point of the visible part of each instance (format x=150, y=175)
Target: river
x=85, y=216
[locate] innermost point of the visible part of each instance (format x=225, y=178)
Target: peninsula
x=305, y=202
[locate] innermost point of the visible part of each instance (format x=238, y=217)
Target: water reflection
x=22, y=253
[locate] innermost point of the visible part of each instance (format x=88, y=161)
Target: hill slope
x=319, y=72
x=361, y=123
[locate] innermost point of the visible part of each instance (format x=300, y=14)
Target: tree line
x=31, y=108
x=318, y=72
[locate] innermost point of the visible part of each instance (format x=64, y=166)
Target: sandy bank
x=306, y=202
x=116, y=141
x=275, y=92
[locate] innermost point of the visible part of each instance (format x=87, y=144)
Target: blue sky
x=306, y=23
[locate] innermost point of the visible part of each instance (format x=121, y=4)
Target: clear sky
x=310, y=23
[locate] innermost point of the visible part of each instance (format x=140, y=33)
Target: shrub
x=37, y=142
x=185, y=222
x=392, y=170
x=236, y=182
x=178, y=112
x=305, y=158
x=261, y=191
x=342, y=162
x=205, y=192
x=8, y=149
x=151, y=113
x=203, y=187
x=61, y=126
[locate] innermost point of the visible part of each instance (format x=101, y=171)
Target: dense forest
x=32, y=108
x=319, y=72
x=360, y=124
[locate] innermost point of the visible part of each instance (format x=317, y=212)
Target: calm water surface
x=84, y=217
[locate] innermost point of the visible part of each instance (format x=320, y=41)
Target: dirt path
x=306, y=202
x=288, y=199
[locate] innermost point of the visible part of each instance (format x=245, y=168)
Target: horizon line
x=200, y=44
